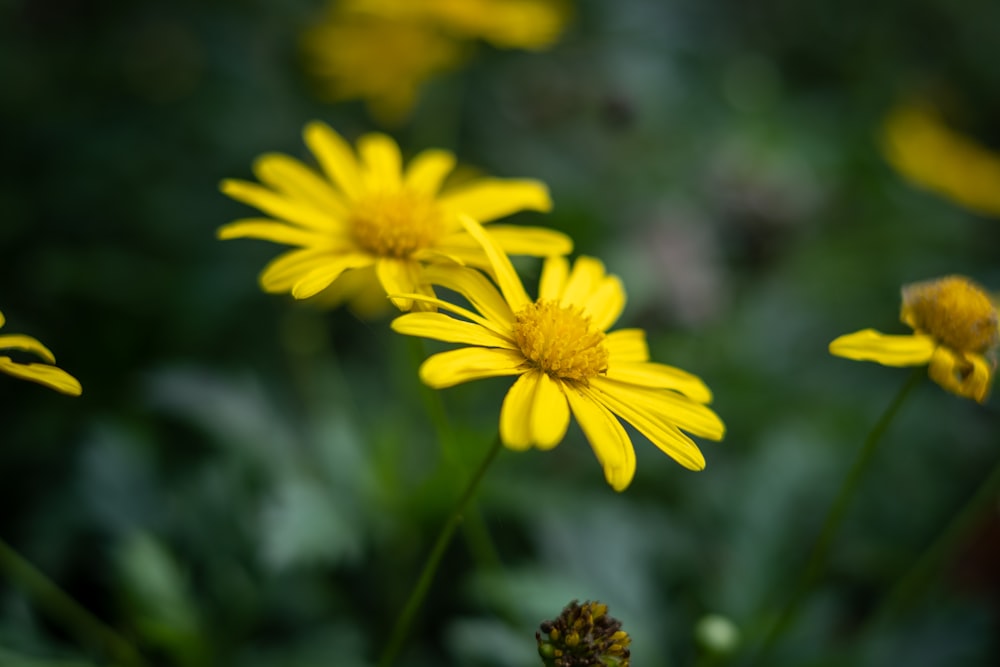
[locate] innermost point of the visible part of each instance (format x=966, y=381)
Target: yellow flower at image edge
x=364, y=213
x=955, y=332
x=46, y=374
x=565, y=362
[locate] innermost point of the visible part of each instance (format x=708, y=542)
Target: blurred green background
x=251, y=481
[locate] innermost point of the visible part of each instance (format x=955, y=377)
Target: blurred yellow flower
x=382, y=61
x=955, y=331
x=365, y=213
x=565, y=361
x=46, y=374
x=927, y=152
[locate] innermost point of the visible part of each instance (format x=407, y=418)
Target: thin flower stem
x=920, y=574
x=88, y=628
x=419, y=592
x=835, y=516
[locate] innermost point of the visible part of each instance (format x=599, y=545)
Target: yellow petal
x=662, y=376
x=611, y=444
x=533, y=241
x=447, y=369
x=280, y=207
x=550, y=413
x=399, y=276
x=426, y=172
x=968, y=376
x=320, y=277
x=439, y=326
x=476, y=288
x=382, y=162
x=870, y=345
x=606, y=303
x=503, y=332
x=488, y=199
x=335, y=156
x=289, y=176
x=665, y=436
x=626, y=345
x=28, y=344
x=516, y=412
x=2, y=319
x=555, y=270
x=50, y=376
x=281, y=273
x=506, y=276
x=586, y=273
x=276, y=232
x=669, y=408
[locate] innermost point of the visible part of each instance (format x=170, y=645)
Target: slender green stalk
x=835, y=516
x=84, y=625
x=419, y=592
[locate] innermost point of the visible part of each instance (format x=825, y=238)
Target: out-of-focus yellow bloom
x=365, y=221
x=46, y=374
x=382, y=61
x=383, y=51
x=955, y=331
x=564, y=360
x=506, y=24
x=931, y=155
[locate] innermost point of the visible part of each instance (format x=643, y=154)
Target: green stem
x=88, y=628
x=821, y=549
x=419, y=592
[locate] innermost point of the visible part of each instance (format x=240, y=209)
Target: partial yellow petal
x=2, y=319
x=50, y=376
x=502, y=331
x=475, y=287
x=669, y=408
x=28, y=344
x=586, y=274
x=426, y=172
x=870, y=345
x=280, y=207
x=399, y=276
x=968, y=376
x=516, y=412
x=320, y=277
x=665, y=436
x=506, y=276
x=626, y=346
x=439, y=326
x=555, y=270
x=550, y=414
x=382, y=162
x=607, y=438
x=276, y=232
x=533, y=241
x=289, y=176
x=447, y=369
x=662, y=376
x=281, y=273
x=606, y=303
x=488, y=199
x=335, y=156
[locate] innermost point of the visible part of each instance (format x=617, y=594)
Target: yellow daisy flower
x=920, y=146
x=46, y=374
x=366, y=214
x=955, y=332
x=565, y=361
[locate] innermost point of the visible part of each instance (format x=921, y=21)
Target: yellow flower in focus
x=931, y=155
x=955, y=331
x=565, y=360
x=506, y=24
x=382, y=61
x=46, y=374
x=366, y=221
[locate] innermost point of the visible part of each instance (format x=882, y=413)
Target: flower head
x=365, y=213
x=583, y=636
x=955, y=332
x=46, y=373
x=565, y=360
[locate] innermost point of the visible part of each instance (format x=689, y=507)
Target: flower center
x=396, y=224
x=560, y=341
x=955, y=311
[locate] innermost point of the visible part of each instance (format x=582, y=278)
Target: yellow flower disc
x=953, y=310
x=560, y=341
x=396, y=224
